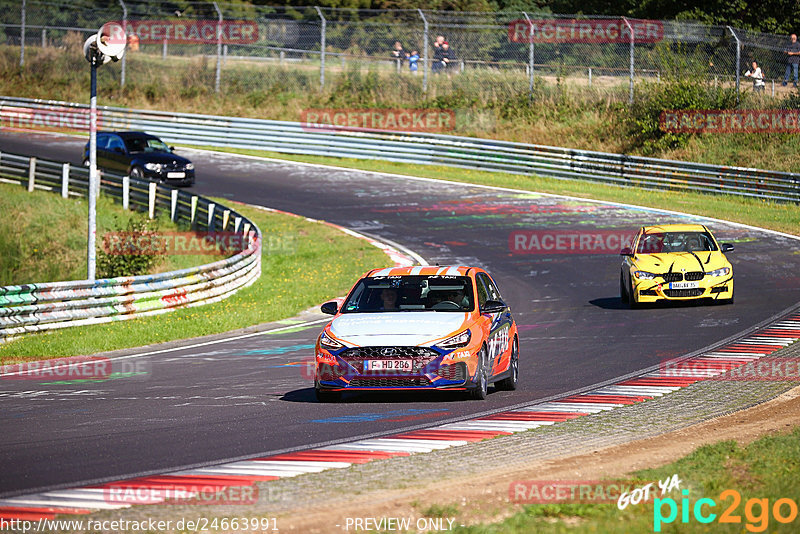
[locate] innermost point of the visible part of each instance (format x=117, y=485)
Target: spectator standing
x=793, y=59
x=413, y=62
x=758, y=77
x=448, y=57
x=398, y=54
x=438, y=65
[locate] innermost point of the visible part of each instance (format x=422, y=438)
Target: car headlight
x=724, y=271
x=153, y=167
x=644, y=275
x=329, y=343
x=456, y=341
x=190, y=166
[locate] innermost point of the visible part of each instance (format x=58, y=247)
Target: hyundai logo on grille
x=389, y=351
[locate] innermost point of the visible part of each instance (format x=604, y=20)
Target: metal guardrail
x=36, y=307
x=424, y=148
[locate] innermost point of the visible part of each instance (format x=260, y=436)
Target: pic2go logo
x=756, y=511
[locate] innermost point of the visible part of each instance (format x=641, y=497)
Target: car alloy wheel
x=137, y=173
x=510, y=383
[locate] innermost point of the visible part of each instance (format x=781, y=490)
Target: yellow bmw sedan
x=675, y=262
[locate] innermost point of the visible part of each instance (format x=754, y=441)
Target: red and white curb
x=187, y=483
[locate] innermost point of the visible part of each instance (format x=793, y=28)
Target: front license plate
x=176, y=175
x=387, y=365
x=684, y=285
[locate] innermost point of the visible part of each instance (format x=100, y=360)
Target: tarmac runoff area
x=333, y=500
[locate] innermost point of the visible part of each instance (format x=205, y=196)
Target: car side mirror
x=330, y=308
x=493, y=306
x=172, y=149
x=726, y=247
x=626, y=251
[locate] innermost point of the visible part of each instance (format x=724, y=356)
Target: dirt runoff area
x=484, y=497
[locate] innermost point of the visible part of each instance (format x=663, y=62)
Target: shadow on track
x=381, y=397
x=615, y=303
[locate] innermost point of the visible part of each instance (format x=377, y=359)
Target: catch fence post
x=125, y=30
x=323, y=24
x=738, y=61
x=424, y=51
x=531, y=67
x=631, y=63
x=218, y=74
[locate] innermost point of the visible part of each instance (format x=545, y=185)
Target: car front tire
x=136, y=173
x=481, y=388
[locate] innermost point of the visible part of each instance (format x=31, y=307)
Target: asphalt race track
x=251, y=396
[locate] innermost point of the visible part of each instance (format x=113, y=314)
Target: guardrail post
x=590, y=76
x=738, y=61
x=151, y=200
x=44, y=38
x=226, y=215
x=210, y=222
x=324, y=23
x=125, y=31
x=218, y=74
x=246, y=229
x=173, y=208
x=31, y=174
x=531, y=67
x=426, y=63
x=237, y=222
x=22, y=36
x=65, y=180
x=193, y=214
x=164, y=48
x=126, y=192
x=631, y=64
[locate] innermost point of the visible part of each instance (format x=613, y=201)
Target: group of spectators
x=792, y=62
x=443, y=56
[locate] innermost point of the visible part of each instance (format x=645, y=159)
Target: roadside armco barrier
x=36, y=307
x=422, y=148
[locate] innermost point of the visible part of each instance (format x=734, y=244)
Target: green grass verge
x=784, y=217
x=43, y=236
x=767, y=469
x=303, y=264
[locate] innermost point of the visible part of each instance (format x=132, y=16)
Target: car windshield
x=411, y=293
x=662, y=242
x=145, y=144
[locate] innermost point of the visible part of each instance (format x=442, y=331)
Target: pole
x=738, y=62
x=321, y=46
x=424, y=51
x=125, y=29
x=219, y=49
x=22, y=37
x=91, y=252
x=530, y=55
x=630, y=74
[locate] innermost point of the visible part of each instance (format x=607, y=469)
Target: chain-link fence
x=230, y=48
